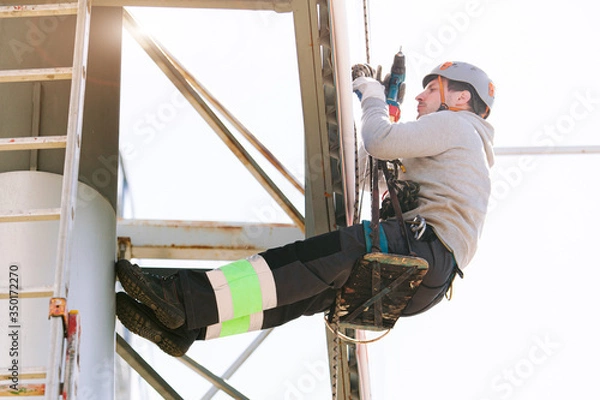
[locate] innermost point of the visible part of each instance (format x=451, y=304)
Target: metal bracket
x=58, y=308
x=124, y=246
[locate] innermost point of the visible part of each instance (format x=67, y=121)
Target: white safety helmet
x=467, y=73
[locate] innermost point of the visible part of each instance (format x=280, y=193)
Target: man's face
x=429, y=100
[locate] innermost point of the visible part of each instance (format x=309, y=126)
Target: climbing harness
x=407, y=192
x=381, y=284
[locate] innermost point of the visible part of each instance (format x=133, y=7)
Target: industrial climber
x=447, y=150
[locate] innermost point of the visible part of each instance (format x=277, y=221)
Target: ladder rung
x=33, y=143
x=39, y=10
x=47, y=214
x=28, y=293
x=36, y=74
x=30, y=390
x=25, y=373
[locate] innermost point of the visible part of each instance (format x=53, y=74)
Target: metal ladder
x=63, y=324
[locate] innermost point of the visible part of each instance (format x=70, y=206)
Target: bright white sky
x=519, y=326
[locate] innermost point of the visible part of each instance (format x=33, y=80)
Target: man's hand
x=364, y=70
x=368, y=87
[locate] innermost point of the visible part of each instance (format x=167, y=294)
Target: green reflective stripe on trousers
x=246, y=295
x=244, y=324
x=235, y=326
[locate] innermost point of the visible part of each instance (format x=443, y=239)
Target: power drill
x=396, y=86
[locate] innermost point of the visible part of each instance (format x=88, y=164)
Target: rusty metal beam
x=272, y=5
x=201, y=240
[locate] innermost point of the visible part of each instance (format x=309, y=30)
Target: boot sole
x=134, y=318
x=130, y=277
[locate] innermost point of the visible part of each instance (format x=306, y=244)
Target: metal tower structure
x=31, y=119
x=53, y=195
x=329, y=191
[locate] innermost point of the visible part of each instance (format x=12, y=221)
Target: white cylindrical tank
x=28, y=254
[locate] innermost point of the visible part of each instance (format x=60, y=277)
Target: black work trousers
x=300, y=278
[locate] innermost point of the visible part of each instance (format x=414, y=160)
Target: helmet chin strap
x=444, y=106
x=486, y=113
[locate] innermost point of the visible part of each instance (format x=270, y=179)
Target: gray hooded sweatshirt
x=449, y=154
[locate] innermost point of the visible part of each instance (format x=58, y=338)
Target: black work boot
x=158, y=293
x=140, y=320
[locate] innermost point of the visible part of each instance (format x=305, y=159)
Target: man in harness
x=447, y=151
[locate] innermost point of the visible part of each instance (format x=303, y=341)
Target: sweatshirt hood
x=486, y=133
